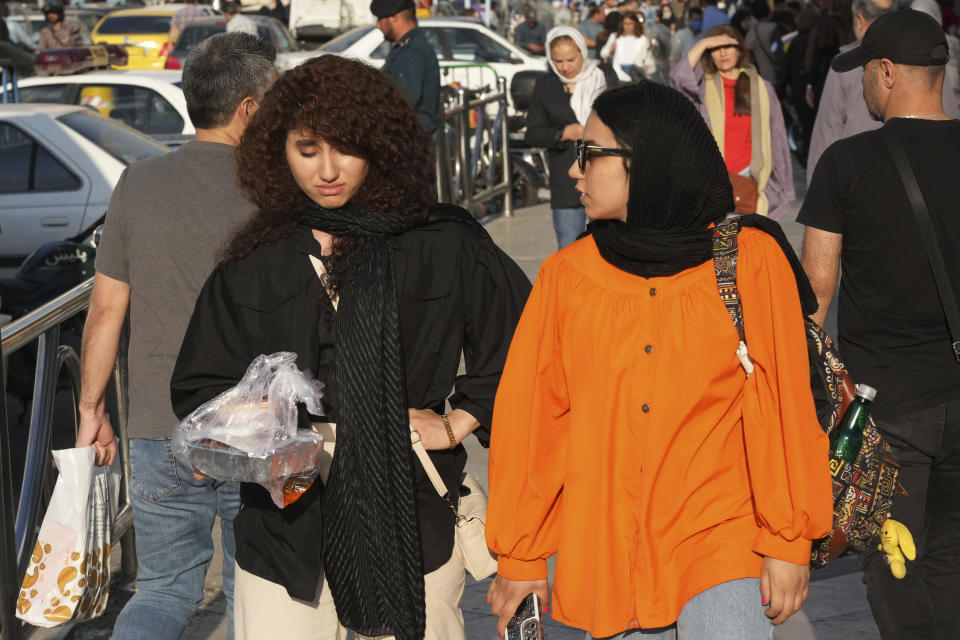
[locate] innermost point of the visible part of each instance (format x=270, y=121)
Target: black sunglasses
x=585, y=151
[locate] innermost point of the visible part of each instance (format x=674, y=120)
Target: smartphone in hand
x=527, y=622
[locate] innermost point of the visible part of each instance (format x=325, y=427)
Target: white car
x=468, y=52
x=58, y=167
x=148, y=101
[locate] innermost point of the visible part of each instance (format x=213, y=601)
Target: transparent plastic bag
x=249, y=433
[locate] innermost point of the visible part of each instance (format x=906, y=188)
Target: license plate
x=100, y=56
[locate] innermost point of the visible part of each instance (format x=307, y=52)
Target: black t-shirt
x=892, y=330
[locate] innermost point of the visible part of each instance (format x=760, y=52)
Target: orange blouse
x=628, y=441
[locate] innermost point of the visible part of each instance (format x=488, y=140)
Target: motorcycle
x=48, y=272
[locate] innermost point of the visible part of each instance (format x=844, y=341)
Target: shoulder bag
x=471, y=540
x=928, y=235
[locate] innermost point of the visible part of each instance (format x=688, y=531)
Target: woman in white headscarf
x=559, y=108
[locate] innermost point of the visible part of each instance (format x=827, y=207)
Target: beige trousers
x=263, y=609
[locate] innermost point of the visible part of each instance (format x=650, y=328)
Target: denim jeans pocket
x=154, y=469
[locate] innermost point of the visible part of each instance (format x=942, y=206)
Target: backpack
x=863, y=491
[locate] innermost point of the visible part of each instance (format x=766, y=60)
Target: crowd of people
x=675, y=468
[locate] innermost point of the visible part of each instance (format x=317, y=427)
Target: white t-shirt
x=630, y=50
x=243, y=24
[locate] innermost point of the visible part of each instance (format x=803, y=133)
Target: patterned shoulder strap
x=725, y=264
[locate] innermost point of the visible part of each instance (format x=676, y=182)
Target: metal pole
x=38, y=446
x=466, y=171
x=505, y=150
x=443, y=161
x=9, y=583
x=124, y=524
x=487, y=9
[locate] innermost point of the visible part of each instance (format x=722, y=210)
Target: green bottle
x=846, y=438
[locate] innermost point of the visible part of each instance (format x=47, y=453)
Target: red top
x=737, y=142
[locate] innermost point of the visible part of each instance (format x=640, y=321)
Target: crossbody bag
x=929, y=237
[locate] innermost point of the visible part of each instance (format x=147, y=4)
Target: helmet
x=53, y=8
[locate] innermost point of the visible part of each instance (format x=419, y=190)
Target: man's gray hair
x=871, y=9
x=222, y=71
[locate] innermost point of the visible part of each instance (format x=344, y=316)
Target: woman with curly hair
x=352, y=265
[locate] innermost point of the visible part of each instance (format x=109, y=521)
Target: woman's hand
x=713, y=42
x=572, y=132
x=784, y=586
x=433, y=433
x=505, y=596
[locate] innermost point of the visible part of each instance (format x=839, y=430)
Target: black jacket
x=550, y=112
x=458, y=293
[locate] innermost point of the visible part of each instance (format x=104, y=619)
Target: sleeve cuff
x=514, y=569
x=795, y=551
x=482, y=415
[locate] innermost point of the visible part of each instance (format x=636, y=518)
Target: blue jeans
x=728, y=611
x=568, y=223
x=173, y=516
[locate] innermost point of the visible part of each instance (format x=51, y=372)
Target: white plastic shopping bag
x=69, y=573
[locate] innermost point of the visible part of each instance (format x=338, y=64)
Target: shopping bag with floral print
x=68, y=578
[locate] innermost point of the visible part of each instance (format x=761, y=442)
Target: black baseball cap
x=387, y=8
x=905, y=37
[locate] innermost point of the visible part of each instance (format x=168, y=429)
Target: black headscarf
x=371, y=534
x=678, y=182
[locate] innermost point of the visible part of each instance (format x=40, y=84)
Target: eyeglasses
x=585, y=151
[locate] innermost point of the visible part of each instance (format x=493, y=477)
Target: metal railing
x=473, y=160
x=53, y=359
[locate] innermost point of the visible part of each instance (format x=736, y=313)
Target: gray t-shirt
x=591, y=30
x=168, y=219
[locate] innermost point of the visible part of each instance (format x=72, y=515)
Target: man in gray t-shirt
x=166, y=223
x=592, y=27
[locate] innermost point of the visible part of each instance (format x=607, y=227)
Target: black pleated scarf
x=678, y=183
x=371, y=533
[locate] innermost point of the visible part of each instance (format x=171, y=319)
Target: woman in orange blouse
x=627, y=437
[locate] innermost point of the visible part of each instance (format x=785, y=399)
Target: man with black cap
x=893, y=318
x=413, y=62
x=841, y=112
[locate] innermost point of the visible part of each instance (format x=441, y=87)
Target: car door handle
x=54, y=221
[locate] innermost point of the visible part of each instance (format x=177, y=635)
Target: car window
x=343, y=42
x=132, y=25
x=287, y=37
x=474, y=46
x=138, y=107
x=193, y=35
x=283, y=41
x=123, y=143
x=264, y=32
x=15, y=159
x=42, y=93
x=50, y=175
x=162, y=118
x=26, y=166
x=381, y=52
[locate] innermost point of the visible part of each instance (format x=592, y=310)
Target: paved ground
x=836, y=609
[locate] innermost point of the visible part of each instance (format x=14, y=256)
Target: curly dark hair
x=359, y=111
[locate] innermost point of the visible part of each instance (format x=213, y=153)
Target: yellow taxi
x=144, y=33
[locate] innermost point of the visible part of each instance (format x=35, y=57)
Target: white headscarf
x=590, y=81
